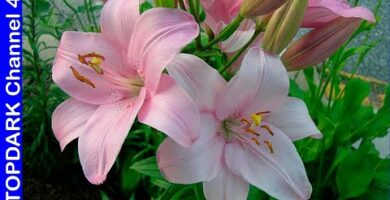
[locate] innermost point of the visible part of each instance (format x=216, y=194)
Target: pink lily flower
x=114, y=75
x=219, y=13
x=247, y=131
x=320, y=12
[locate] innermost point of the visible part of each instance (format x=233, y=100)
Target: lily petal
x=220, y=11
x=280, y=173
x=118, y=19
x=239, y=38
x=226, y=186
x=159, y=36
x=200, y=81
x=173, y=112
x=200, y=162
x=104, y=135
x=69, y=118
x=261, y=84
x=98, y=90
x=294, y=120
x=320, y=12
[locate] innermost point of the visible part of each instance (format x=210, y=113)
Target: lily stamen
x=246, y=122
x=269, y=144
x=268, y=129
x=255, y=140
x=263, y=113
x=251, y=131
x=94, y=62
x=81, y=78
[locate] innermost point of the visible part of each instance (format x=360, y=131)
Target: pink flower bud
x=319, y=44
x=252, y=8
x=320, y=12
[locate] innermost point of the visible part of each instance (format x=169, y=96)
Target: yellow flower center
x=244, y=130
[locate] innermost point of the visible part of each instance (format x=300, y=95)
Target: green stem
x=76, y=13
x=226, y=32
x=198, y=191
x=242, y=50
x=195, y=12
x=333, y=71
x=97, y=27
x=319, y=173
x=86, y=6
x=182, y=5
x=332, y=87
x=317, y=92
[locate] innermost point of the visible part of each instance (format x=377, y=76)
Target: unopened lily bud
x=262, y=21
x=252, y=8
x=283, y=25
x=319, y=44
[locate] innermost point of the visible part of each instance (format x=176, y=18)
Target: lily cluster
x=227, y=135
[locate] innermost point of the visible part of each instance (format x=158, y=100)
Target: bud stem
x=226, y=32
x=258, y=30
x=194, y=9
x=182, y=5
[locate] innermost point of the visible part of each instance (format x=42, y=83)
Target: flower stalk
x=226, y=32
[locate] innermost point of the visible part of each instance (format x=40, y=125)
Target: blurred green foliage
x=343, y=165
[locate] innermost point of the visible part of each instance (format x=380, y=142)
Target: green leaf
x=382, y=170
x=130, y=178
x=343, y=132
x=42, y=6
x=383, y=176
x=296, y=91
x=327, y=128
x=183, y=194
x=369, y=148
x=165, y=3
x=160, y=183
x=355, y=92
x=341, y=154
x=354, y=175
x=147, y=167
x=207, y=53
x=309, y=75
x=386, y=103
x=309, y=149
x=103, y=195
x=171, y=191
x=256, y=194
x=145, y=6
x=198, y=189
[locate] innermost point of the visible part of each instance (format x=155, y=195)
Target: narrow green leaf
x=147, y=167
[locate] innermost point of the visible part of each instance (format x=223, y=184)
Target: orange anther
x=81, y=78
x=94, y=62
x=268, y=129
x=251, y=131
x=269, y=144
x=256, y=141
x=247, y=123
x=262, y=113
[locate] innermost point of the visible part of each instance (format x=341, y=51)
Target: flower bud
x=283, y=25
x=318, y=44
x=262, y=21
x=252, y=8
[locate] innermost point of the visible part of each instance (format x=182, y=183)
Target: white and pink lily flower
x=248, y=126
x=114, y=75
